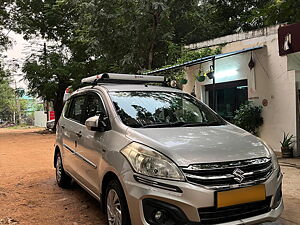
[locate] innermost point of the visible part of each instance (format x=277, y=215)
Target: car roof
x=132, y=87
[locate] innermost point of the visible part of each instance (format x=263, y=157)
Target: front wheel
x=116, y=205
x=62, y=179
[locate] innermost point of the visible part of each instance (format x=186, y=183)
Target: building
x=28, y=106
x=262, y=66
x=273, y=82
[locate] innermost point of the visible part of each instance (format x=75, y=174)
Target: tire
x=62, y=179
x=115, y=205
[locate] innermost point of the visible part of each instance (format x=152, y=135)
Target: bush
x=248, y=117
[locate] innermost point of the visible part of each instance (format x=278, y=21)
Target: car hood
x=191, y=145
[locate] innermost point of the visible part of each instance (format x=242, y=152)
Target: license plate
x=241, y=196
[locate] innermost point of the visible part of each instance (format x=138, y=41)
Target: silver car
x=156, y=155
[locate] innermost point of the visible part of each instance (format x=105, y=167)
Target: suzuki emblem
x=238, y=175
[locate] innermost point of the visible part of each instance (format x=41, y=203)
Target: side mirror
x=92, y=123
x=98, y=123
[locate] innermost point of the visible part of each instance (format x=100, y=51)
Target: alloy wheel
x=113, y=205
x=58, y=168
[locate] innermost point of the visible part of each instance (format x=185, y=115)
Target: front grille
x=229, y=174
x=213, y=215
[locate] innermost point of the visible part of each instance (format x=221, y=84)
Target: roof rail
x=122, y=79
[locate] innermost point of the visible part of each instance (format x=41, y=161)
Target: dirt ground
x=28, y=190
x=29, y=194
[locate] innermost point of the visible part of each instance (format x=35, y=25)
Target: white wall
x=40, y=119
x=270, y=80
x=277, y=86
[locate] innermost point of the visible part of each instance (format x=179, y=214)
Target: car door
x=72, y=125
x=90, y=145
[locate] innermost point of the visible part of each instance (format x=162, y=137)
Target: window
x=150, y=109
x=77, y=109
x=94, y=106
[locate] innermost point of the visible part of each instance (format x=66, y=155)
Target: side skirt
x=85, y=187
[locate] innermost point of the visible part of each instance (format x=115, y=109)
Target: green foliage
x=248, y=117
x=51, y=19
x=114, y=36
x=27, y=108
x=187, y=55
x=223, y=17
x=128, y=36
x=280, y=11
x=4, y=75
x=30, y=106
x=48, y=75
x=5, y=23
x=288, y=140
x=132, y=36
x=7, y=101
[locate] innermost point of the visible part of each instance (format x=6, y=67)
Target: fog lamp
x=159, y=216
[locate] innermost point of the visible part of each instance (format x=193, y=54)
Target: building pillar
x=190, y=74
x=200, y=91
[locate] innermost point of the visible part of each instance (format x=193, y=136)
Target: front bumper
x=188, y=199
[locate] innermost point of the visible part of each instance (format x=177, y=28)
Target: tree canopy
x=126, y=36
x=131, y=36
x=7, y=96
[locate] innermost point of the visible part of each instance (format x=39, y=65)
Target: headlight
x=149, y=162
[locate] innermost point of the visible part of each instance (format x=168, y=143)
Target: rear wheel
x=116, y=205
x=62, y=179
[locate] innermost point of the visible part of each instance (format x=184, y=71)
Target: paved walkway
x=291, y=191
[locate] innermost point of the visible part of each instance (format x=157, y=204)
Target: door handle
x=79, y=134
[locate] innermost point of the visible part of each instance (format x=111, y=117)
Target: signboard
x=51, y=115
x=289, y=39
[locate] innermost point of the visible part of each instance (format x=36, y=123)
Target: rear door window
x=77, y=109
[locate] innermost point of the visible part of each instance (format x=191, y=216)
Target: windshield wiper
x=182, y=124
x=157, y=125
x=200, y=124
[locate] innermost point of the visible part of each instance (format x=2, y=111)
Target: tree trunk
x=151, y=53
x=58, y=105
x=153, y=40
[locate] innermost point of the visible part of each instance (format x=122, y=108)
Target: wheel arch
x=109, y=176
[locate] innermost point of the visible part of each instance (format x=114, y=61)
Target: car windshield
x=162, y=109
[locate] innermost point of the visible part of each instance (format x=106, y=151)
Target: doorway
x=229, y=97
